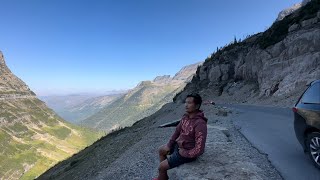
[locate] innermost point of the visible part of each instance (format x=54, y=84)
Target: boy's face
x=190, y=105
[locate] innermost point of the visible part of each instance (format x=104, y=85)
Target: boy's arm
x=200, y=138
x=175, y=135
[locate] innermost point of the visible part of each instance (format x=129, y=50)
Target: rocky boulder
x=221, y=160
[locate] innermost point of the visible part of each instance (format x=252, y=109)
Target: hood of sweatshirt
x=199, y=115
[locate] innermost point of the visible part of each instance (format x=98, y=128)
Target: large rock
x=214, y=74
x=221, y=160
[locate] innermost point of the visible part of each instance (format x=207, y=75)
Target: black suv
x=307, y=121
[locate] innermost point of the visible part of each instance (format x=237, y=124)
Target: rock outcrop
x=221, y=160
x=11, y=85
x=291, y=9
x=288, y=11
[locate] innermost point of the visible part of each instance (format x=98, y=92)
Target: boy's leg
x=163, y=167
x=162, y=153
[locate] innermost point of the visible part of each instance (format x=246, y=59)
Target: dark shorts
x=175, y=159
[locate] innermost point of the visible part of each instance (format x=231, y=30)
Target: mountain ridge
x=147, y=97
x=75, y=108
x=32, y=136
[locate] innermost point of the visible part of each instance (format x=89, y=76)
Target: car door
x=309, y=105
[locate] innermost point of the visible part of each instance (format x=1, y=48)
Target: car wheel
x=313, y=146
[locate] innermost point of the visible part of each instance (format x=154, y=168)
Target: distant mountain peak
x=183, y=76
x=163, y=78
x=187, y=71
x=2, y=62
x=144, y=83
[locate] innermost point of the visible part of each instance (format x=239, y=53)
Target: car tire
x=313, y=147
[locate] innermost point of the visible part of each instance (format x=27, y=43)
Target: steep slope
x=75, y=108
x=32, y=136
x=145, y=99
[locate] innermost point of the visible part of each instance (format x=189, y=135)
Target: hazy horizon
x=81, y=93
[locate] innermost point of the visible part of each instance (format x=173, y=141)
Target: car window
x=312, y=95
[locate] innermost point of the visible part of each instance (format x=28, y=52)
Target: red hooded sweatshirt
x=190, y=135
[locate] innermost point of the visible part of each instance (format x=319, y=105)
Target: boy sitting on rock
x=188, y=140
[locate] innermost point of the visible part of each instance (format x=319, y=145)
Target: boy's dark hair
x=196, y=98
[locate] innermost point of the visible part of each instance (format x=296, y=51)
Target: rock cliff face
x=32, y=136
x=263, y=67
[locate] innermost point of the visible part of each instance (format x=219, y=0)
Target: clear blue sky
x=64, y=46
